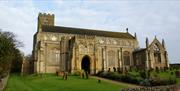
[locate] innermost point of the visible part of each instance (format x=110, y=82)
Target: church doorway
x=85, y=64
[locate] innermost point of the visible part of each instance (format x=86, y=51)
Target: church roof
x=70, y=30
x=139, y=50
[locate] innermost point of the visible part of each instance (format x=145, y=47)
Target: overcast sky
x=146, y=18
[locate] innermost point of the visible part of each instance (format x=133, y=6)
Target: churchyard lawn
x=178, y=81
x=50, y=82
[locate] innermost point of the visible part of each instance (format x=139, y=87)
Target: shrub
x=143, y=74
x=119, y=70
x=130, y=69
x=149, y=74
x=120, y=77
x=165, y=69
x=156, y=75
x=102, y=74
x=99, y=72
x=158, y=82
x=157, y=70
x=172, y=73
x=129, y=78
x=145, y=82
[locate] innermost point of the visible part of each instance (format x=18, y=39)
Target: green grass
x=50, y=82
x=178, y=81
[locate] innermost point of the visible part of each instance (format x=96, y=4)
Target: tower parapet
x=45, y=19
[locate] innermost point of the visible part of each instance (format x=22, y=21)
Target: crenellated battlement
x=45, y=15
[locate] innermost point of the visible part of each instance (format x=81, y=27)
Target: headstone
x=65, y=74
x=177, y=74
x=82, y=73
x=87, y=76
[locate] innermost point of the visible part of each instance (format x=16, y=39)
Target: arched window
x=126, y=57
x=156, y=47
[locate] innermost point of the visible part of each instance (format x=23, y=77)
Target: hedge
x=136, y=80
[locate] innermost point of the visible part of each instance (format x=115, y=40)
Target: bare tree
x=8, y=51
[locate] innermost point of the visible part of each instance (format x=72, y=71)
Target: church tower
x=45, y=19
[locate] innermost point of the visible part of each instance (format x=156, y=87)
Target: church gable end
x=157, y=54
x=156, y=45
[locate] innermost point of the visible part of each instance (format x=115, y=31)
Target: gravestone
x=177, y=74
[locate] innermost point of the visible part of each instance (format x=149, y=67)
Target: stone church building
x=74, y=49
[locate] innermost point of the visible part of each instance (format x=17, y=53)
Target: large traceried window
x=156, y=47
x=157, y=54
x=126, y=57
x=157, y=57
x=112, y=56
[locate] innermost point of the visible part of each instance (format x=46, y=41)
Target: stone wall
x=81, y=45
x=3, y=82
x=156, y=88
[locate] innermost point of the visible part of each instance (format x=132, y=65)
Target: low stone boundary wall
x=3, y=83
x=156, y=88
